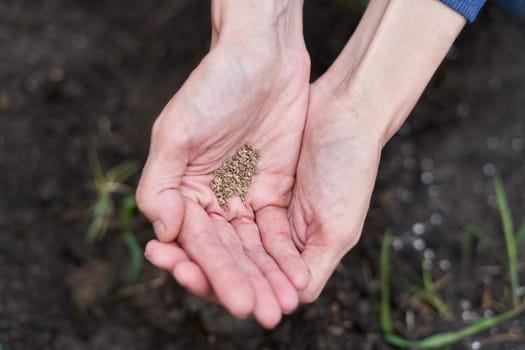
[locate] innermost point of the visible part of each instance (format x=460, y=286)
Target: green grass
x=470, y=233
x=127, y=215
x=430, y=295
x=440, y=340
x=510, y=237
x=107, y=186
x=386, y=316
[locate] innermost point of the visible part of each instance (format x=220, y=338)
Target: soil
x=82, y=75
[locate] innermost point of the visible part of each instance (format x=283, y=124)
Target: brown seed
x=234, y=176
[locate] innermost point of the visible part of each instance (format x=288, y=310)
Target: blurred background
x=80, y=85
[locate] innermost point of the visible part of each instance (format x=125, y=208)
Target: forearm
x=411, y=39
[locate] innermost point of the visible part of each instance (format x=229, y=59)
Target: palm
x=220, y=108
x=335, y=178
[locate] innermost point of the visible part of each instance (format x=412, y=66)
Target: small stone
x=419, y=244
x=463, y=110
x=476, y=345
x=444, y=265
x=427, y=177
x=488, y=169
x=397, y=244
x=418, y=228
x=436, y=219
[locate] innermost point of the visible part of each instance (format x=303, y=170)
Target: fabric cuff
x=468, y=8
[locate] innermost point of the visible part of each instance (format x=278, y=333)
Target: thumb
x=158, y=193
x=322, y=257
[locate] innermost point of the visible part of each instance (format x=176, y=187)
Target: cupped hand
x=335, y=179
x=242, y=257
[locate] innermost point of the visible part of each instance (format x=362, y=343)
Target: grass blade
x=121, y=172
x=510, y=238
x=135, y=253
x=441, y=340
x=386, y=314
x=470, y=233
x=127, y=214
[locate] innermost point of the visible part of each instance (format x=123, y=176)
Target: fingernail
x=159, y=229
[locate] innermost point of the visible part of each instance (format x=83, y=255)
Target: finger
x=200, y=240
x=267, y=310
x=170, y=257
x=157, y=194
x=277, y=239
x=282, y=288
x=322, y=257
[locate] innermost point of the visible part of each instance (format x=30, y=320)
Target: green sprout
x=437, y=341
x=106, y=185
x=127, y=215
x=384, y=273
x=430, y=295
x=103, y=210
x=510, y=237
x=470, y=233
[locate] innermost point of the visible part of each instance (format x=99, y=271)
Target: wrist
x=275, y=22
x=410, y=41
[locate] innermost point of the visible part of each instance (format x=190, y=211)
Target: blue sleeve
x=468, y=8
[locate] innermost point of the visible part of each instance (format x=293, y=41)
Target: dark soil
x=82, y=75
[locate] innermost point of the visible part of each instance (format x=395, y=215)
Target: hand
x=252, y=88
x=335, y=179
x=354, y=109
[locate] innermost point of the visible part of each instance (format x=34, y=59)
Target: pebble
x=433, y=190
x=429, y=254
x=444, y=265
x=463, y=110
x=418, y=228
x=419, y=244
x=427, y=177
x=488, y=313
x=397, y=244
x=476, y=345
x=436, y=219
x=405, y=195
x=520, y=291
x=466, y=315
x=489, y=169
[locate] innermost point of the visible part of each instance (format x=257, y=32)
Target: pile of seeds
x=235, y=175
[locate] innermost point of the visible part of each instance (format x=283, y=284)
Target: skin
x=250, y=81
x=305, y=210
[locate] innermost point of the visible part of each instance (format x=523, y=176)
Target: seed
x=234, y=176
